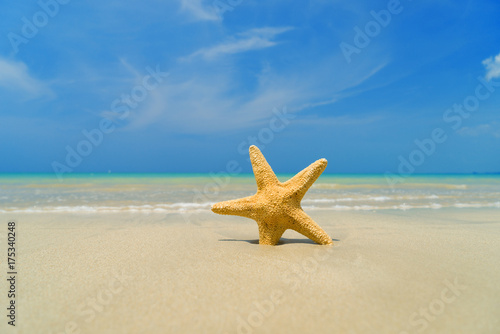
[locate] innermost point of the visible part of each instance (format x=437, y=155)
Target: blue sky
x=188, y=85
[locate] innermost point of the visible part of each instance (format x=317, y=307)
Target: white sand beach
x=391, y=271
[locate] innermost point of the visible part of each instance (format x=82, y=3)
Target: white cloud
x=492, y=65
x=200, y=106
x=492, y=129
x=14, y=76
x=200, y=11
x=203, y=104
x=266, y=32
x=197, y=98
x=253, y=39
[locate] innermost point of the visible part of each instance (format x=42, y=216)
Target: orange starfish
x=276, y=205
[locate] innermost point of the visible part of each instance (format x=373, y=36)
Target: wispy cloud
x=253, y=39
x=14, y=76
x=492, y=129
x=199, y=10
x=199, y=104
x=492, y=65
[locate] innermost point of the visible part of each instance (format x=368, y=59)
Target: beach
x=250, y=167
x=117, y=255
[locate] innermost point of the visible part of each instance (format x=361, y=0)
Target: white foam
x=165, y=208
x=477, y=205
x=381, y=198
x=187, y=207
x=348, y=199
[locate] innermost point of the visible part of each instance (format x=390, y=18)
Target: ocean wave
x=147, y=208
x=367, y=199
x=476, y=205
x=404, y=206
x=381, y=185
x=187, y=207
x=346, y=199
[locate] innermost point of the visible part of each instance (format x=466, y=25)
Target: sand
x=416, y=271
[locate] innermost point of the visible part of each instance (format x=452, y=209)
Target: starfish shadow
x=283, y=241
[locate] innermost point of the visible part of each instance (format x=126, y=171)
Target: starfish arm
x=304, y=224
x=276, y=206
x=269, y=232
x=264, y=174
x=244, y=207
x=300, y=183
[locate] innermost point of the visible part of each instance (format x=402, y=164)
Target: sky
x=186, y=86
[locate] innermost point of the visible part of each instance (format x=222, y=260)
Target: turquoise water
x=178, y=193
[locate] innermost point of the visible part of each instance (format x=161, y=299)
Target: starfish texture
x=276, y=205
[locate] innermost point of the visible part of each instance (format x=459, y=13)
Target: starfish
x=276, y=205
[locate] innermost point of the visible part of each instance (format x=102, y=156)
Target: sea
x=189, y=193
